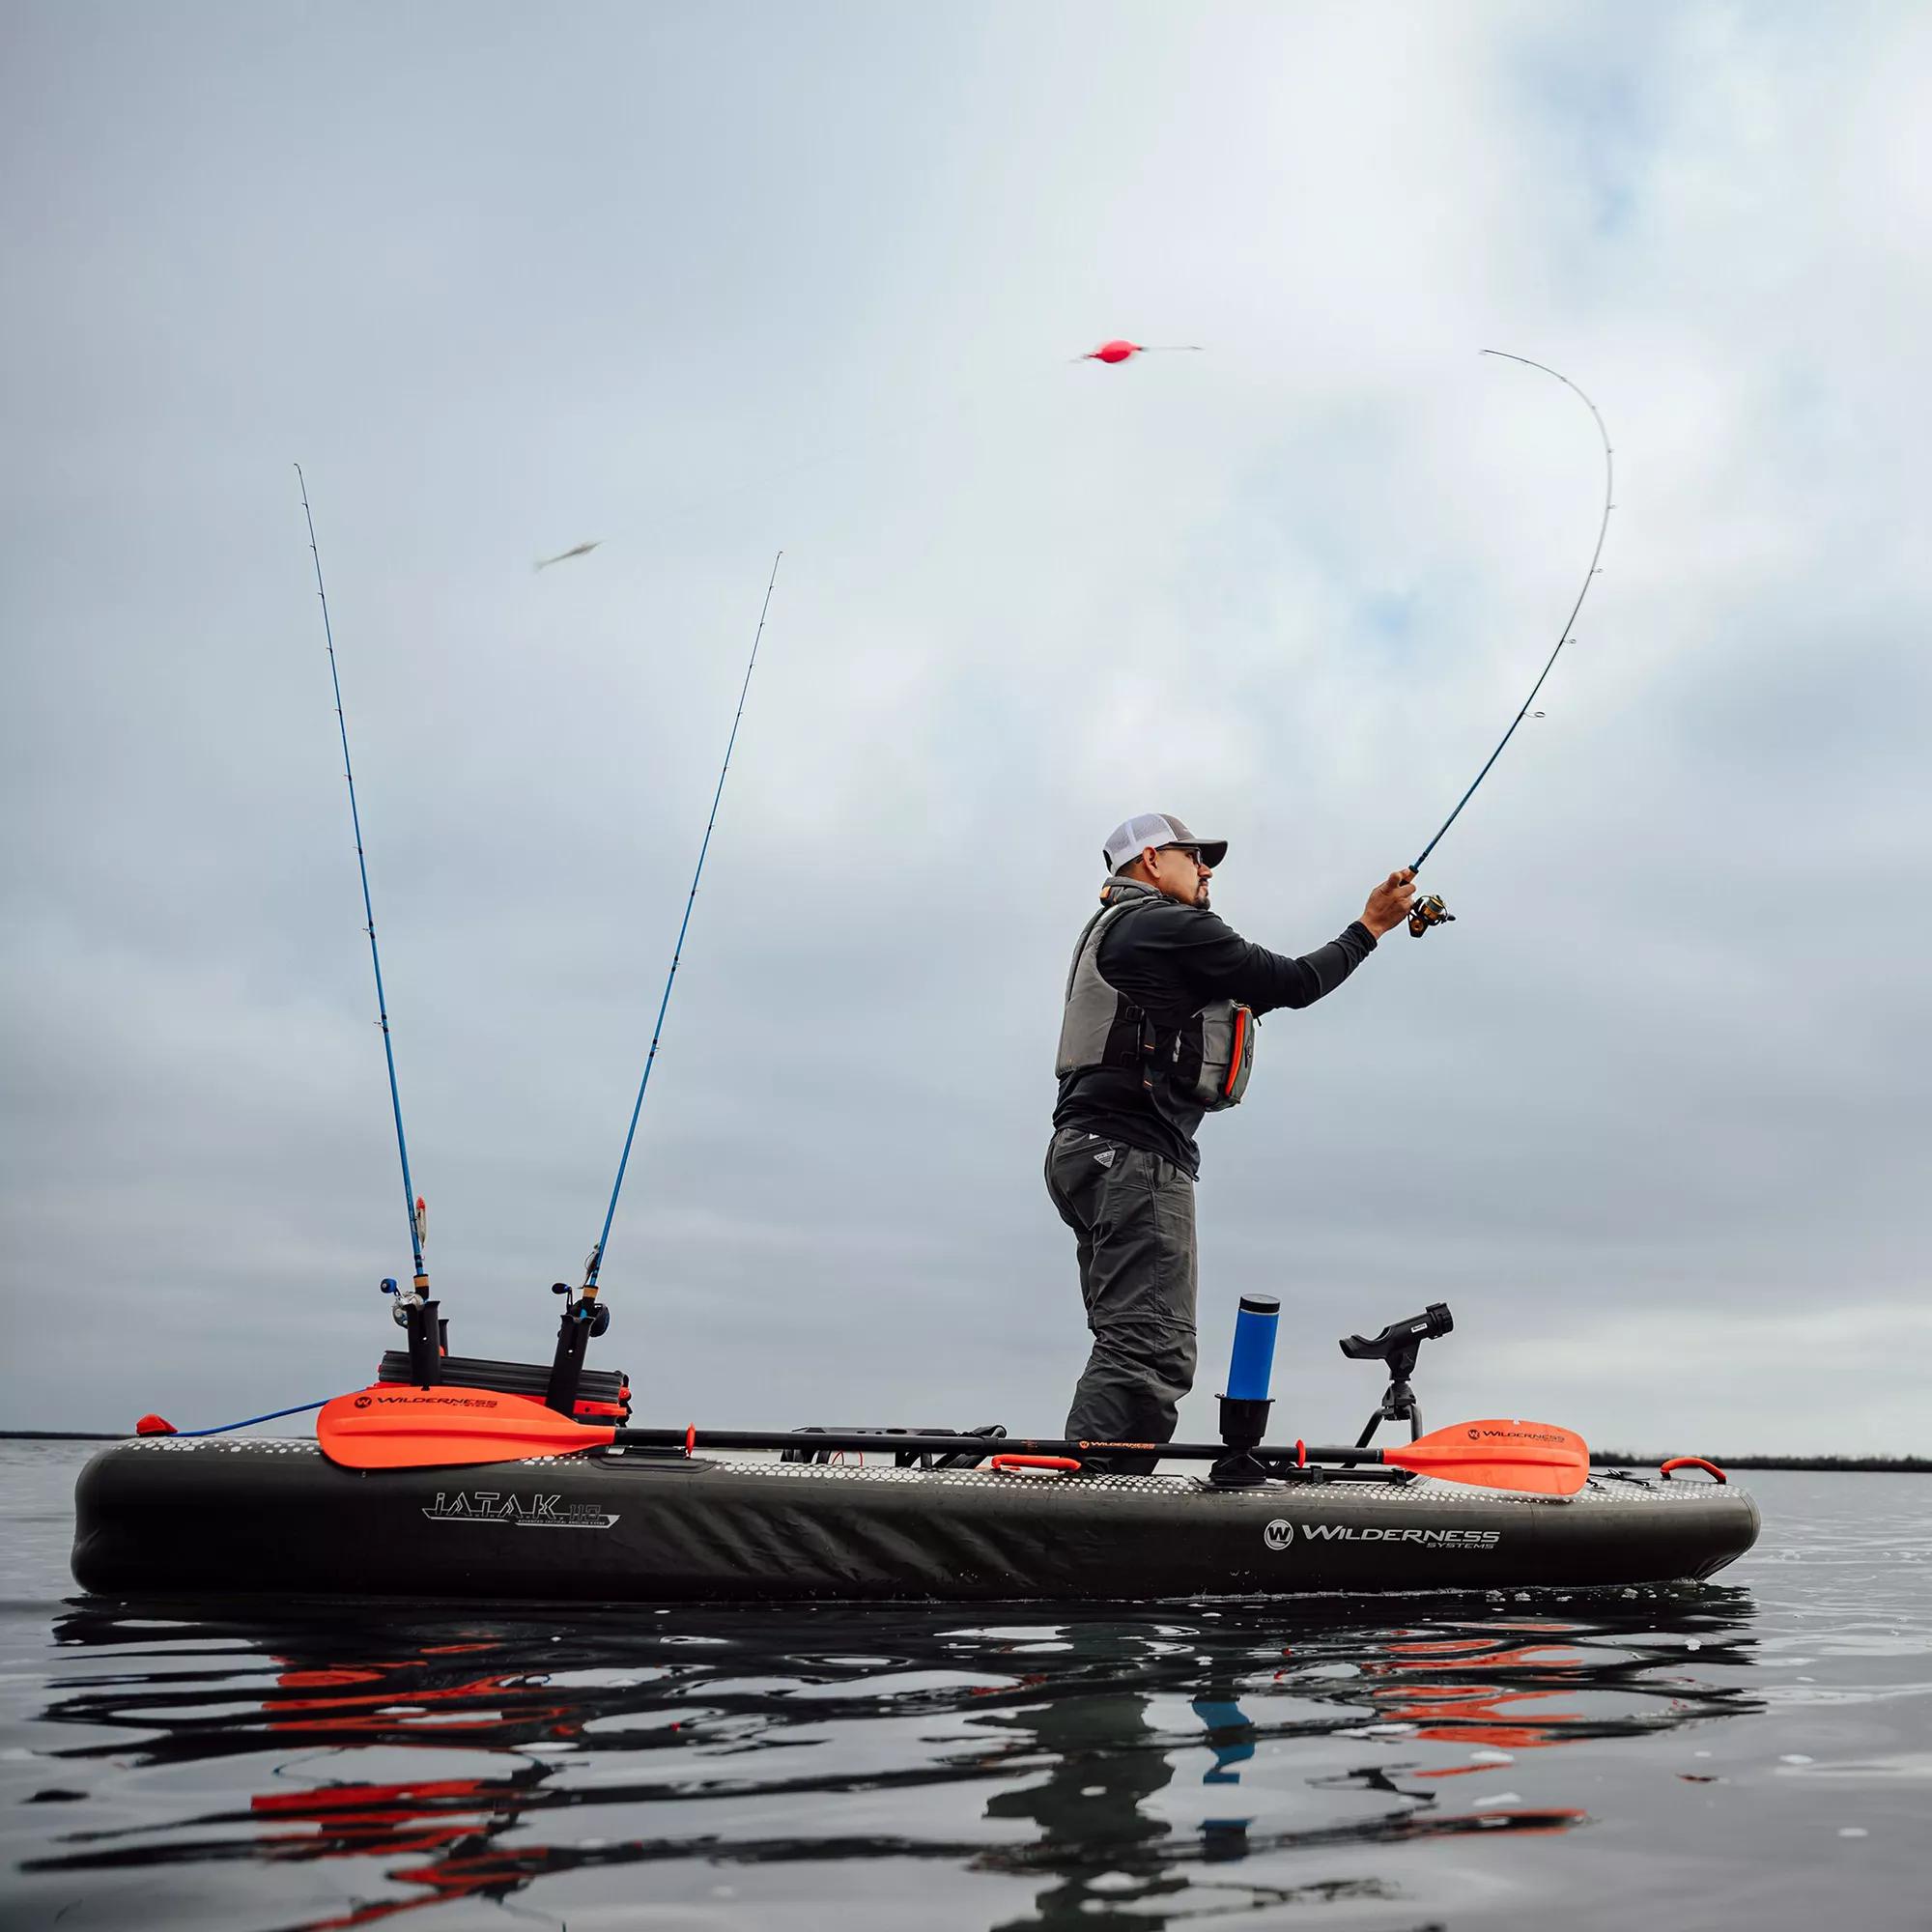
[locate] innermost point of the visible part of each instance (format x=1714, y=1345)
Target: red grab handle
x=1060, y=1463
x=1692, y=1462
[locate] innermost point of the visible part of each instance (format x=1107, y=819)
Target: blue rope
x=272, y=1415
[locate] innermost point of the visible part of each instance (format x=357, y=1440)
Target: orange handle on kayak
x=1692, y=1462
x=1063, y=1463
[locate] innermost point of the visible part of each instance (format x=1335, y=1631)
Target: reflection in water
x=1092, y=1768
x=1097, y=1765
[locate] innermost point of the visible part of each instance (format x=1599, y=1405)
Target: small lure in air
x=1117, y=351
x=564, y=556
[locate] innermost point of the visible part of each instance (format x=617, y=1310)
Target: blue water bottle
x=1244, y=1407
x=1253, y=1361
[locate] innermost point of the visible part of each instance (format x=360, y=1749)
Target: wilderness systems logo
x=525, y=1512
x=1280, y=1533
x=417, y=1401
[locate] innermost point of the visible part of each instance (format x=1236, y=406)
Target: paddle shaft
x=940, y=1445
x=398, y=1425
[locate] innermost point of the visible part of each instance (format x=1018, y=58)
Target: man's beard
x=1201, y=897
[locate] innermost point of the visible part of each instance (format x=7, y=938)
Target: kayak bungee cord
x=1431, y=911
x=156, y=1425
x=583, y=1317
x=412, y=1308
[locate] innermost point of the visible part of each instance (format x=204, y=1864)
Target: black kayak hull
x=248, y=1518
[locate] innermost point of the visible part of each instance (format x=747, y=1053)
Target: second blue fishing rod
x=584, y=1315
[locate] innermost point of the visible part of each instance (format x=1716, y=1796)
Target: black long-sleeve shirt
x=1171, y=960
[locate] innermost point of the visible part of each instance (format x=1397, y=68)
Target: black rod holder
x=566, y=1367
x=427, y=1335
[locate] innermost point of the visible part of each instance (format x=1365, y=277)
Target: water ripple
x=1087, y=1748
x=1386, y=1765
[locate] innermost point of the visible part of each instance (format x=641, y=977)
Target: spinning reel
x=1427, y=912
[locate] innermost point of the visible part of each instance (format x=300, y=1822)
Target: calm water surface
x=1751, y=1754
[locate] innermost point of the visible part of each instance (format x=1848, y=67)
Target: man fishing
x=1158, y=1030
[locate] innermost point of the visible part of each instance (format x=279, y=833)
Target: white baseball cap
x=1130, y=839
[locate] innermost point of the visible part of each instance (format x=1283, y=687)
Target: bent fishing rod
x=411, y=1308
x=1431, y=911
x=583, y=1316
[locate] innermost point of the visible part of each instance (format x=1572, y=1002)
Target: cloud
x=1645, y=1115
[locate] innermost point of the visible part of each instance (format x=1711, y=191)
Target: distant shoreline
x=1896, y=1466
x=60, y=1435
x=1883, y=1465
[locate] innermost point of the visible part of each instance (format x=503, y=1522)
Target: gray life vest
x=1210, y=1056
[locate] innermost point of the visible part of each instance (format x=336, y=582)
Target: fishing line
x=1431, y=911
x=969, y=407
x=412, y=1206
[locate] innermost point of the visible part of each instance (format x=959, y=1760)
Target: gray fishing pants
x=1132, y=1215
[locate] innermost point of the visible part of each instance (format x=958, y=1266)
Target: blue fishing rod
x=1431, y=911
x=584, y=1315
x=413, y=1310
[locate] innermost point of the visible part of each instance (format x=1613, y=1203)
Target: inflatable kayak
x=170, y=1516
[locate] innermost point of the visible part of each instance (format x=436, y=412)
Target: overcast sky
x=703, y=281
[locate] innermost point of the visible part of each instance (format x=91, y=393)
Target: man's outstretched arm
x=1223, y=965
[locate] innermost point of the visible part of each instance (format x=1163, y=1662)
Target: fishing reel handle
x=1427, y=912
x=584, y=1309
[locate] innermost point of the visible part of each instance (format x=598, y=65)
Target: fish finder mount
x=1398, y=1345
